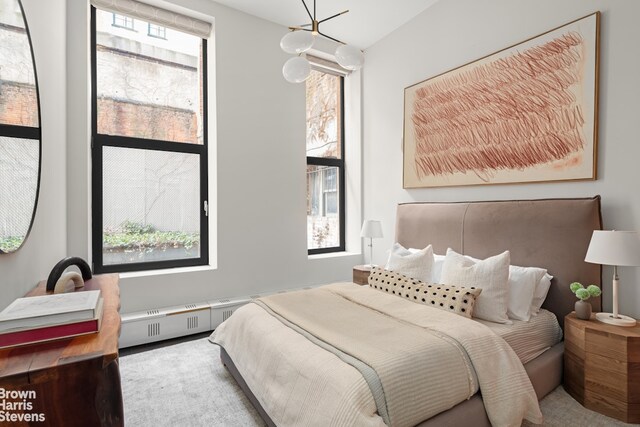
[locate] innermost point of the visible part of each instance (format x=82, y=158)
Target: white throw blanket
x=299, y=383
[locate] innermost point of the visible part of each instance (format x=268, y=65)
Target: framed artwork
x=527, y=113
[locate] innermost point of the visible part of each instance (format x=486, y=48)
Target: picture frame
x=526, y=113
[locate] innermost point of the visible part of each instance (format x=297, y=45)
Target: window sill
x=334, y=255
x=166, y=271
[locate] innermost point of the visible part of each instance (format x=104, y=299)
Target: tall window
x=149, y=148
x=325, y=163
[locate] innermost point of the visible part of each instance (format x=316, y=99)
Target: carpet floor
x=183, y=383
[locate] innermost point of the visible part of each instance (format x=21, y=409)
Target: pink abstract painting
x=524, y=114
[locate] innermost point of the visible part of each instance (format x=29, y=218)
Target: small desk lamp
x=617, y=248
x=371, y=229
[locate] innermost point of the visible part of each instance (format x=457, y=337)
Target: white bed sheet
x=529, y=339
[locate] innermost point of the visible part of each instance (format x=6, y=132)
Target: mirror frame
x=28, y=132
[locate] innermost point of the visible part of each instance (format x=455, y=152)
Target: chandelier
x=300, y=39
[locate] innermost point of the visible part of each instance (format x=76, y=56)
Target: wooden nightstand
x=361, y=274
x=602, y=367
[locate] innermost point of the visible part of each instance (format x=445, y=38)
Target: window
x=157, y=31
x=325, y=163
x=330, y=195
x=149, y=149
x=122, y=21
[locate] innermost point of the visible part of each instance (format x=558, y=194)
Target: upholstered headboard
x=551, y=233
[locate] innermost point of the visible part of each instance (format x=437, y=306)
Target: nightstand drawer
x=606, y=344
x=605, y=379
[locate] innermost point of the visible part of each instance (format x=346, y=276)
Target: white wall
x=257, y=123
x=455, y=32
x=257, y=129
x=46, y=244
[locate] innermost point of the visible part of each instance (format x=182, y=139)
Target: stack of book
x=49, y=317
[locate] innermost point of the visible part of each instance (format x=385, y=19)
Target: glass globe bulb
x=296, y=69
x=296, y=42
x=349, y=57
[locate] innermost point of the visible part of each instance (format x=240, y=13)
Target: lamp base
x=622, y=320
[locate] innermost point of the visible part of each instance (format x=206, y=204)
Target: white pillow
x=416, y=265
x=436, y=270
x=491, y=275
x=522, y=286
x=540, y=294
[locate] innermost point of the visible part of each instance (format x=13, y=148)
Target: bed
x=551, y=233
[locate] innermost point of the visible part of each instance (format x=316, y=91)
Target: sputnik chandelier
x=300, y=40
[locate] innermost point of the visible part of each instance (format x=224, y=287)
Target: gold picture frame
x=527, y=113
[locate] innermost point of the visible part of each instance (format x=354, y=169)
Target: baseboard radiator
x=158, y=324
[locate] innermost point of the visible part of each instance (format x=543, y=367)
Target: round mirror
x=20, y=147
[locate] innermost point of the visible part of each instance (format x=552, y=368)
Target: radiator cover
x=158, y=324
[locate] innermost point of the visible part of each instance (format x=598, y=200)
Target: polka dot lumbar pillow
x=455, y=299
x=390, y=281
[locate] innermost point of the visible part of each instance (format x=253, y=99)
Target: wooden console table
x=75, y=381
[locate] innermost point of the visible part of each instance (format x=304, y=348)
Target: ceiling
x=366, y=23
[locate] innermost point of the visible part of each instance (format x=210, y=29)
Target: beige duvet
x=347, y=355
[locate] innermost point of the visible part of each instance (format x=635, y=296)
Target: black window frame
x=340, y=165
x=99, y=141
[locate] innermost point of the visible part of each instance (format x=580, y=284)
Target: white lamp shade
x=349, y=57
x=371, y=229
x=297, y=42
x=296, y=69
x=619, y=248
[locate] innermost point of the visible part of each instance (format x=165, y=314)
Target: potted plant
x=582, y=307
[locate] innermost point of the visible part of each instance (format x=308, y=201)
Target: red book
x=53, y=332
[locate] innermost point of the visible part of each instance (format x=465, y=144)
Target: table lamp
x=617, y=248
x=371, y=229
